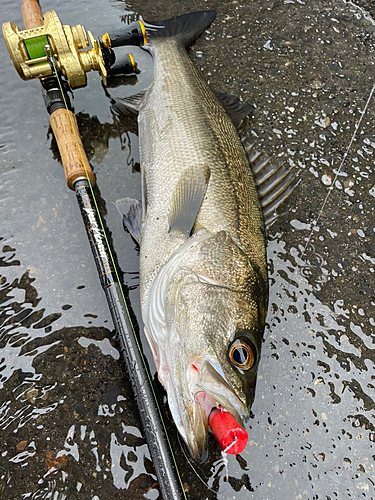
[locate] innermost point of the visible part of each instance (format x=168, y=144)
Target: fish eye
x=241, y=354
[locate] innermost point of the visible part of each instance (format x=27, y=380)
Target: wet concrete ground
x=68, y=426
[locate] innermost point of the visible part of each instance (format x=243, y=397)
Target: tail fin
x=186, y=28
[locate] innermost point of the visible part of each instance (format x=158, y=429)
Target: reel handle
x=31, y=14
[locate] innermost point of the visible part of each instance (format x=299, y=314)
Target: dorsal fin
x=274, y=182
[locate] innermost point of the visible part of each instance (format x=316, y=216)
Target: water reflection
x=66, y=415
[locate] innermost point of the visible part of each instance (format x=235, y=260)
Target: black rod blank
x=169, y=482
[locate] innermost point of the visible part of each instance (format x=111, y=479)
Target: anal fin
x=187, y=199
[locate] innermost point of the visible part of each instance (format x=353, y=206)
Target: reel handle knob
x=126, y=66
x=132, y=34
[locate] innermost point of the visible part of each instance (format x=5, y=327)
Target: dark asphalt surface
x=68, y=426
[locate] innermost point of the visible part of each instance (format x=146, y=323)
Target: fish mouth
x=208, y=389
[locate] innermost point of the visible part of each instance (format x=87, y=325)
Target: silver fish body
x=197, y=292
x=181, y=126
x=203, y=286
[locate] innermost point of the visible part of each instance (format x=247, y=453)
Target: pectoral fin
x=187, y=199
x=131, y=212
x=127, y=105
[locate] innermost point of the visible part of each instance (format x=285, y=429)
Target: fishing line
x=330, y=189
x=225, y=461
x=51, y=57
x=230, y=446
x=195, y=396
x=193, y=465
x=225, y=458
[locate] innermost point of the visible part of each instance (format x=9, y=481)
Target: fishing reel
x=67, y=46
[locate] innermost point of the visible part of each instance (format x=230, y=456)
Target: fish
x=207, y=197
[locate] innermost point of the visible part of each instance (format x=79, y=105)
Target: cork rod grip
x=73, y=155
x=31, y=14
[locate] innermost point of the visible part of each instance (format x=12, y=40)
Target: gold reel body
x=26, y=50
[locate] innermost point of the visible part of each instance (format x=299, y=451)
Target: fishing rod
x=53, y=53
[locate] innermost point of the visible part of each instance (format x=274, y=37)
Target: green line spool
x=35, y=46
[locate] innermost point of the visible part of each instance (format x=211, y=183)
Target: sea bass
x=203, y=270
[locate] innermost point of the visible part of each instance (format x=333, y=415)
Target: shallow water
x=69, y=430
